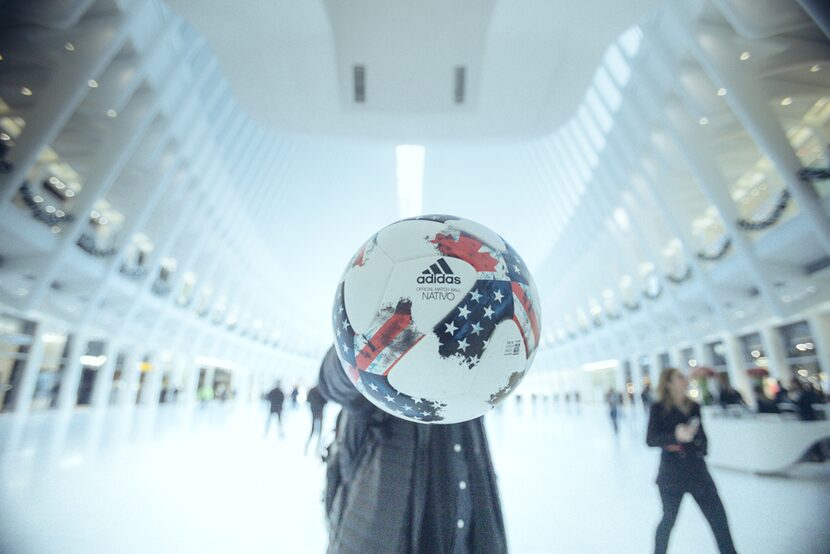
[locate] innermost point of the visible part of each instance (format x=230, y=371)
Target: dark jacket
x=275, y=397
x=382, y=474
x=678, y=461
x=316, y=401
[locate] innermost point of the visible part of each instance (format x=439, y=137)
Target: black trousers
x=700, y=485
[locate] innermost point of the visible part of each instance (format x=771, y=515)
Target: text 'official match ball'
x=436, y=319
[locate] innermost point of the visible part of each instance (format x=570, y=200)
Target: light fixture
x=112, y=113
x=745, y=55
x=70, y=193
x=703, y=120
x=50, y=209
x=814, y=69
x=55, y=229
x=25, y=91
x=4, y=136
x=103, y=221
x=92, y=83
x=721, y=91
x=786, y=101
x=756, y=353
x=1, y=57
x=68, y=46
x=409, y=160
x=37, y=198
x=93, y=361
x=692, y=363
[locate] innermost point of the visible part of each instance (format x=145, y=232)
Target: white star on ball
x=463, y=312
x=488, y=312
x=498, y=296
x=451, y=328
x=462, y=344
x=475, y=295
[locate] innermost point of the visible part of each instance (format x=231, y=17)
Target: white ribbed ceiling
x=528, y=62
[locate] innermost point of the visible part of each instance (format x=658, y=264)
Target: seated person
x=765, y=405
x=730, y=396
x=805, y=396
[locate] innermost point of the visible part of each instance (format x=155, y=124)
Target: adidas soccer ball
x=436, y=319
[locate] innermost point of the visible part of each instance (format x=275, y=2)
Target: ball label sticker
x=512, y=348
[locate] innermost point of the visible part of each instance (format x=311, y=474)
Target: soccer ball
x=436, y=319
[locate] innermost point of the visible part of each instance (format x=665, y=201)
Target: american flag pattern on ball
x=436, y=319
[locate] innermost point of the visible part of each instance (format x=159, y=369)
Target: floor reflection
x=205, y=479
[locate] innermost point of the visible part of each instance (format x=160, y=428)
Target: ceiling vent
x=359, y=81
x=460, y=88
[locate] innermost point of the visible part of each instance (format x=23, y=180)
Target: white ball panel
x=406, y=240
x=364, y=288
x=422, y=373
x=490, y=238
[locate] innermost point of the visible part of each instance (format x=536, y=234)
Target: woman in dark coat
x=674, y=425
x=397, y=486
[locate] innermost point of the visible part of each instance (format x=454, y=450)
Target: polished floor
x=173, y=479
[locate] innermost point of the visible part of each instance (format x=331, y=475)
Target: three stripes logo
x=439, y=273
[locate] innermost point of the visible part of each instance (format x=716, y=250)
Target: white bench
x=763, y=443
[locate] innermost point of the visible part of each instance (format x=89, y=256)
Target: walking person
x=275, y=398
x=316, y=402
x=674, y=426
x=613, y=401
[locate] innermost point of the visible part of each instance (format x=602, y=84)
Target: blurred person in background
x=674, y=426
x=764, y=404
x=316, y=402
x=275, y=398
x=613, y=401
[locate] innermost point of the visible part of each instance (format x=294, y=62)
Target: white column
x=103, y=380
x=152, y=381
x=654, y=369
x=130, y=375
x=776, y=354
x=820, y=328
x=68, y=391
x=31, y=369
x=637, y=379
x=736, y=368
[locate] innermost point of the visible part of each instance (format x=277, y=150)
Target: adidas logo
x=440, y=272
